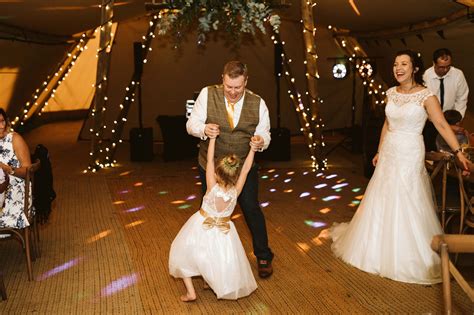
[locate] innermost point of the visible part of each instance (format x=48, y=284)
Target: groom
x=238, y=117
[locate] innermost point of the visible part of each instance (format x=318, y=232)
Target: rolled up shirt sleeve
x=197, y=120
x=263, y=127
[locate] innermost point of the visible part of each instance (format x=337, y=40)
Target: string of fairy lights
x=102, y=155
x=100, y=99
x=39, y=99
x=308, y=115
x=359, y=58
x=108, y=151
x=310, y=120
x=305, y=116
x=315, y=137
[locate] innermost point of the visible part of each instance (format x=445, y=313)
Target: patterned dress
x=12, y=214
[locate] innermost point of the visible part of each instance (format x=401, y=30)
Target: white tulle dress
x=391, y=232
x=204, y=248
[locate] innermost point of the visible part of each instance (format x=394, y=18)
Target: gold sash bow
x=222, y=223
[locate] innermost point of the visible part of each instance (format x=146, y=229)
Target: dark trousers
x=429, y=136
x=248, y=201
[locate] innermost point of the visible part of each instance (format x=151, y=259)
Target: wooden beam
x=409, y=30
x=467, y=3
x=15, y=33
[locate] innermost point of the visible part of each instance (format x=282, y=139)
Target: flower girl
x=208, y=244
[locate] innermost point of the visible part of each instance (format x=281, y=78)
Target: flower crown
x=228, y=164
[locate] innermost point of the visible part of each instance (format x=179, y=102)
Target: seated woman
x=4, y=182
x=14, y=161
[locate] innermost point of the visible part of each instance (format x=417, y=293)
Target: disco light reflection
x=59, y=269
x=119, y=285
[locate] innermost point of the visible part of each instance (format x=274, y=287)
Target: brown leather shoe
x=265, y=268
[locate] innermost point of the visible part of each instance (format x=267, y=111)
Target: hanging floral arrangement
x=234, y=17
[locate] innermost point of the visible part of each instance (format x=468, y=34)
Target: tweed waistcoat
x=235, y=140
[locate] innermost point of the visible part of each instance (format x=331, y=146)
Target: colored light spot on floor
x=135, y=223
x=329, y=198
x=325, y=210
x=315, y=224
x=178, y=202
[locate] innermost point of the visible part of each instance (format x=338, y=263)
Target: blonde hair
x=227, y=170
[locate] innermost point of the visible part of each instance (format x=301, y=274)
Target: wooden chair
x=447, y=163
x=441, y=163
x=467, y=216
x=446, y=244
x=24, y=235
x=3, y=291
x=469, y=220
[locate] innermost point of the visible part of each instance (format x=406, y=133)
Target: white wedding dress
x=200, y=250
x=391, y=232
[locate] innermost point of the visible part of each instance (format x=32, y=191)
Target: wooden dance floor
x=105, y=248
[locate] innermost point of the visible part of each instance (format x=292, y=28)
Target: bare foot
x=188, y=297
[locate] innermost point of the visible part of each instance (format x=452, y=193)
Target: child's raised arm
x=210, y=167
x=245, y=171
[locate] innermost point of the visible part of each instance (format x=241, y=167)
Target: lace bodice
x=218, y=195
x=405, y=112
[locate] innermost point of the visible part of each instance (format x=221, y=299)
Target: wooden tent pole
x=411, y=29
x=312, y=75
x=100, y=99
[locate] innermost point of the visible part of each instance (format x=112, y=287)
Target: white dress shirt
x=455, y=88
x=197, y=121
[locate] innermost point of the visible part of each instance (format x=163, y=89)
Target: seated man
x=454, y=118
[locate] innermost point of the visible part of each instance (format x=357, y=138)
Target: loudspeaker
x=279, y=148
x=141, y=144
x=177, y=143
x=278, y=67
x=138, y=58
x=357, y=139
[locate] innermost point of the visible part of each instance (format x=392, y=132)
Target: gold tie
x=230, y=114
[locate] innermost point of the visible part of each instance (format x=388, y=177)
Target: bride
x=391, y=232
